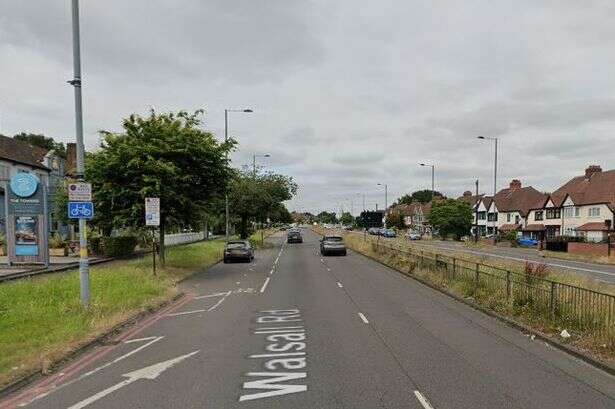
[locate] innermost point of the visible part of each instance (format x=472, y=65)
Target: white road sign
x=152, y=211
x=79, y=192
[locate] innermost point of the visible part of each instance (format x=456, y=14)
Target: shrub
x=56, y=241
x=511, y=236
x=534, y=271
x=120, y=246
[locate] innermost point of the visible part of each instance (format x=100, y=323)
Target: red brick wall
x=590, y=249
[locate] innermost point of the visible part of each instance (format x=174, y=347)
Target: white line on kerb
x=185, y=313
x=363, y=318
x=265, y=284
x=423, y=400
x=340, y=285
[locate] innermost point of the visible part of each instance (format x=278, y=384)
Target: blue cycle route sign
x=80, y=210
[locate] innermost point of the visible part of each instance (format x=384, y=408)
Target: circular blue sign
x=24, y=184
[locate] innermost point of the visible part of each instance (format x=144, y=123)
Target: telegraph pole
x=84, y=273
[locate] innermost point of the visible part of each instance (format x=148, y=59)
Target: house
x=415, y=216
x=514, y=204
x=584, y=205
x=473, y=201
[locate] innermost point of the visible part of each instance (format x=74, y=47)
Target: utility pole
x=476, y=215
x=84, y=273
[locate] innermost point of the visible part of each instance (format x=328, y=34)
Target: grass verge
x=41, y=319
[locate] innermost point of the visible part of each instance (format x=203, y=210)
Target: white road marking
x=210, y=295
x=321, y=260
x=150, y=372
x=363, y=318
x=340, y=285
x=265, y=284
x=100, y=368
x=328, y=269
x=220, y=301
x=185, y=313
x=423, y=400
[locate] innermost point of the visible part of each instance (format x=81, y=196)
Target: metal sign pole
x=154, y=249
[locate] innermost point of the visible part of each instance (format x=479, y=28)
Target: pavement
x=295, y=330
x=596, y=271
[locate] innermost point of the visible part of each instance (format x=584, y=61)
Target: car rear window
x=333, y=239
x=236, y=245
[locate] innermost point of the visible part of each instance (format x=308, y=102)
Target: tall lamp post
x=226, y=111
x=495, y=175
x=266, y=155
x=386, y=205
x=433, y=167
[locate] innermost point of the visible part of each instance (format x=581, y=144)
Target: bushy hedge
x=120, y=246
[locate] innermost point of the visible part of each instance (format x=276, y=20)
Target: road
x=596, y=271
x=294, y=330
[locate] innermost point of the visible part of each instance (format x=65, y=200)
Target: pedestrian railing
x=561, y=305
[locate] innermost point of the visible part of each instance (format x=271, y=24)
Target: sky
x=346, y=94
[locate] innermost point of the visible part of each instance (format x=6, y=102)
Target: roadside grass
x=258, y=238
x=526, y=303
x=41, y=319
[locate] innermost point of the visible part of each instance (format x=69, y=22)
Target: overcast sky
x=346, y=94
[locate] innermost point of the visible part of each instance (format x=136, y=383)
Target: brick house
x=415, y=216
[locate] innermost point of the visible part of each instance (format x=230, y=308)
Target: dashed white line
x=423, y=400
x=363, y=318
x=185, y=313
x=340, y=285
x=265, y=284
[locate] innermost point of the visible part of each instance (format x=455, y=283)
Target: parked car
x=527, y=242
x=413, y=236
x=332, y=245
x=238, y=250
x=294, y=236
x=374, y=231
x=389, y=233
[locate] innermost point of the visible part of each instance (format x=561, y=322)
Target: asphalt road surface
x=294, y=330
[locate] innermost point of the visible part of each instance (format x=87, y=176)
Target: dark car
x=238, y=250
x=294, y=236
x=330, y=245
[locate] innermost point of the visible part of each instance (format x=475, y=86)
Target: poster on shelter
x=26, y=238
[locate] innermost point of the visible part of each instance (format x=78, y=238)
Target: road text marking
x=363, y=318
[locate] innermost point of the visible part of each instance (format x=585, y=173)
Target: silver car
x=330, y=245
x=238, y=250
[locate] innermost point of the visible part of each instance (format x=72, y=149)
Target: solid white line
x=340, y=285
x=265, y=285
x=220, y=301
x=423, y=400
x=185, y=313
x=363, y=318
x=200, y=297
x=102, y=393
x=130, y=341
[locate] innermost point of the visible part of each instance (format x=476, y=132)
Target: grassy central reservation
x=41, y=319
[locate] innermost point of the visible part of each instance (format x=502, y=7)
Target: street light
x=433, y=190
x=495, y=174
x=226, y=111
x=266, y=155
x=386, y=193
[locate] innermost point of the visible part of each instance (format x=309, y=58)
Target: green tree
x=405, y=199
x=346, y=219
x=42, y=141
x=162, y=155
x=420, y=196
x=326, y=217
x=451, y=217
x=257, y=197
x=395, y=219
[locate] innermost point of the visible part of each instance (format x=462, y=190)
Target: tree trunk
x=243, y=229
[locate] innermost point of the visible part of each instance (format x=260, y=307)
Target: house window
x=593, y=212
x=538, y=215
x=492, y=217
x=553, y=213
x=481, y=215
x=508, y=217
x=517, y=219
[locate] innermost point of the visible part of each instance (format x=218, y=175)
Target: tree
x=405, y=199
x=42, y=141
x=257, y=197
x=395, y=219
x=420, y=196
x=326, y=217
x=162, y=155
x=346, y=219
x=451, y=217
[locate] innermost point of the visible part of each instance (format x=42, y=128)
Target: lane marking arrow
x=149, y=372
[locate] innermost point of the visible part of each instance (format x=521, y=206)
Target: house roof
x=594, y=226
x=510, y=227
x=412, y=209
x=469, y=198
x=21, y=152
x=534, y=227
x=591, y=188
x=520, y=199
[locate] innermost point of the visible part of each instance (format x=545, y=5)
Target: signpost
x=80, y=192
x=81, y=210
x=152, y=218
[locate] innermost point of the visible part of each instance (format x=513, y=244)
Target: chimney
x=515, y=184
x=467, y=193
x=591, y=169
x=71, y=159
